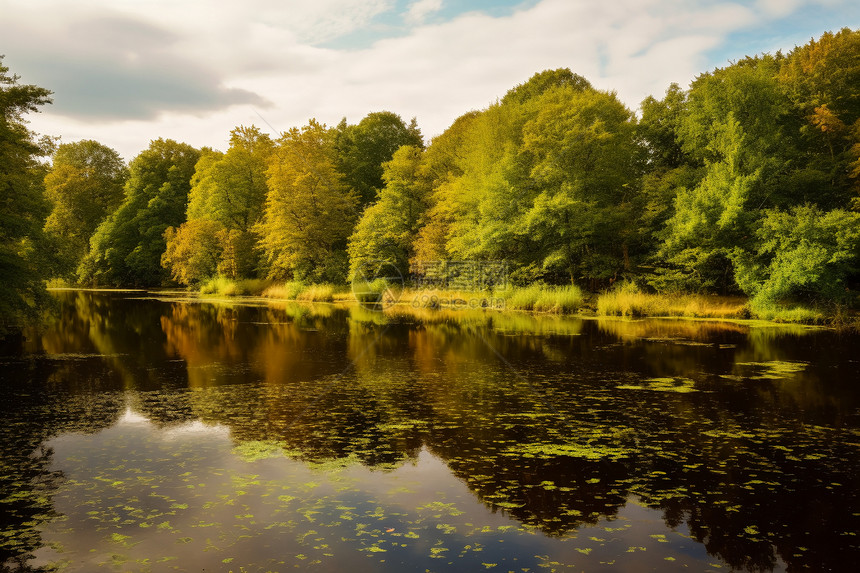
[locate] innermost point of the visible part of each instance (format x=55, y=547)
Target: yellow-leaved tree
x=309, y=211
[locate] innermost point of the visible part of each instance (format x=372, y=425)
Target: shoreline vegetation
x=625, y=301
x=746, y=184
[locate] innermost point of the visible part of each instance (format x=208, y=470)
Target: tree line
x=748, y=181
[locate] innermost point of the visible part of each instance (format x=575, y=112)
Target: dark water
x=141, y=434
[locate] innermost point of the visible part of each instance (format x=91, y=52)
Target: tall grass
x=627, y=300
x=522, y=298
x=559, y=300
x=223, y=286
x=317, y=293
x=540, y=298
x=793, y=313
x=440, y=298
x=285, y=291
x=297, y=290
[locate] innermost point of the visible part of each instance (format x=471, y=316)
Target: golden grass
x=627, y=301
x=284, y=291
x=223, y=286
x=317, y=293
x=541, y=298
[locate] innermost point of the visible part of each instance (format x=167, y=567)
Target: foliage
x=231, y=187
x=193, y=250
x=363, y=149
x=386, y=229
x=226, y=201
x=542, y=179
x=584, y=165
x=443, y=165
x=84, y=185
x=126, y=248
x=22, y=203
x=746, y=181
x=309, y=211
x=712, y=217
x=804, y=253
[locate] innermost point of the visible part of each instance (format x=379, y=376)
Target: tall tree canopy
x=22, y=204
x=126, y=248
x=84, y=185
x=362, y=150
x=746, y=181
x=310, y=211
x=226, y=202
x=387, y=229
x=543, y=179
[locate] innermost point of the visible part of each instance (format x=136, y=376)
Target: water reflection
x=746, y=439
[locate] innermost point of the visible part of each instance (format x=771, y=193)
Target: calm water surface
x=150, y=434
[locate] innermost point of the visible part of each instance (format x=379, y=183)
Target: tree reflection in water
x=746, y=437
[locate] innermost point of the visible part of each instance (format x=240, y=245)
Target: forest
x=746, y=183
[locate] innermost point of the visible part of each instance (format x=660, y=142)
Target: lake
x=146, y=432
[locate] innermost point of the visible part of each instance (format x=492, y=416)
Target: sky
x=124, y=72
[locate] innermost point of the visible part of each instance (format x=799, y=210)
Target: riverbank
x=624, y=301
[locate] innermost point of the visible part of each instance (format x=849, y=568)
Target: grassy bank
x=626, y=300
x=629, y=301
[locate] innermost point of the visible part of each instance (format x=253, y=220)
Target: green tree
x=659, y=129
x=84, y=185
x=362, y=150
x=585, y=170
x=387, y=229
x=309, y=211
x=227, y=198
x=544, y=81
x=192, y=251
x=711, y=219
x=126, y=248
x=22, y=204
x=231, y=187
x=444, y=163
x=735, y=134
x=820, y=79
x=803, y=254
x=544, y=180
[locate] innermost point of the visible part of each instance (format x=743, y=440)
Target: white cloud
x=419, y=10
x=778, y=8
x=274, y=50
